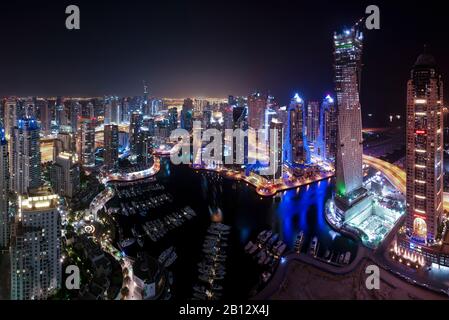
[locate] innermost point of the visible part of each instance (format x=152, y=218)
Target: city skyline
x=320, y=192
x=196, y=61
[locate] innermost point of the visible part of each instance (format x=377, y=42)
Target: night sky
x=213, y=48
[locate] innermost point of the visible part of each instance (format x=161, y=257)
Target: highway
x=395, y=175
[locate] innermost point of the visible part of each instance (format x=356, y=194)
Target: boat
x=347, y=257
x=264, y=236
x=164, y=255
x=127, y=242
x=272, y=240
x=249, y=246
x=281, y=249
x=313, y=246
x=299, y=241
x=140, y=241
x=171, y=259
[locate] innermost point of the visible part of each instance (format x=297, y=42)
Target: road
x=395, y=175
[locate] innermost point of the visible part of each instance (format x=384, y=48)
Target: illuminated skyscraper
x=257, y=103
x=65, y=175
x=312, y=122
x=35, y=251
x=4, y=189
x=25, y=156
x=295, y=140
x=45, y=116
x=134, y=129
x=276, y=146
x=86, y=142
x=424, y=149
x=326, y=146
x=187, y=115
x=348, y=66
x=111, y=144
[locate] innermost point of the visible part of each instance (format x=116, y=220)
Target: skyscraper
x=348, y=66
x=4, y=189
x=65, y=175
x=45, y=116
x=326, y=146
x=257, y=103
x=36, y=247
x=86, y=142
x=312, y=122
x=187, y=115
x=111, y=144
x=295, y=141
x=25, y=156
x=134, y=129
x=424, y=149
x=276, y=147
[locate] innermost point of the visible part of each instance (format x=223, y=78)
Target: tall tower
x=257, y=104
x=65, y=175
x=134, y=129
x=326, y=146
x=36, y=247
x=86, y=142
x=424, y=149
x=25, y=156
x=4, y=189
x=348, y=66
x=111, y=145
x=295, y=140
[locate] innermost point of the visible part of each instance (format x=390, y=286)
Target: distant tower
x=187, y=115
x=257, y=103
x=276, y=146
x=312, y=123
x=86, y=142
x=65, y=175
x=295, y=140
x=326, y=146
x=348, y=66
x=134, y=130
x=424, y=149
x=25, y=156
x=4, y=189
x=111, y=144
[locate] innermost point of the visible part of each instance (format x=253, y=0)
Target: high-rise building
x=86, y=142
x=326, y=146
x=276, y=147
x=134, y=129
x=45, y=116
x=25, y=156
x=187, y=115
x=65, y=175
x=35, y=251
x=173, y=118
x=4, y=189
x=111, y=144
x=312, y=123
x=11, y=115
x=348, y=66
x=424, y=150
x=295, y=139
x=257, y=103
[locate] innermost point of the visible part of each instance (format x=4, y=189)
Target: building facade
x=424, y=150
